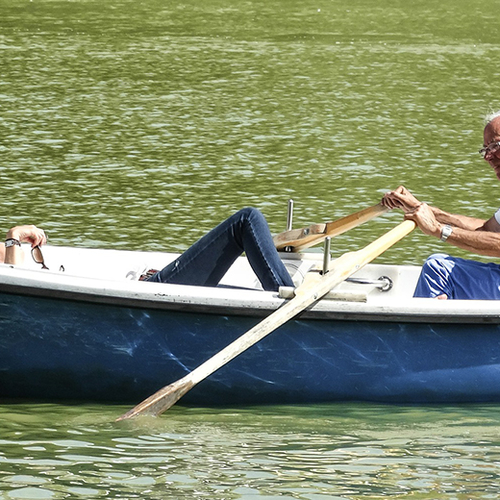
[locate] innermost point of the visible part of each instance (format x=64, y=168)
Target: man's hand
x=400, y=198
x=424, y=217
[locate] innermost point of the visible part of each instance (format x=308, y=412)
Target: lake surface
x=143, y=124
x=340, y=451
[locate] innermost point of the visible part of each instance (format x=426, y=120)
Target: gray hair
x=491, y=116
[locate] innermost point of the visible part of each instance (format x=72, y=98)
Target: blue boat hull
x=73, y=350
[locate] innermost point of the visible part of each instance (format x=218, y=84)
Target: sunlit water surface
x=127, y=124
x=321, y=451
x=142, y=124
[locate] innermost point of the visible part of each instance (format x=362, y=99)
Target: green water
x=130, y=124
x=341, y=451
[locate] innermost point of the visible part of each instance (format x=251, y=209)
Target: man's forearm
x=479, y=242
x=461, y=221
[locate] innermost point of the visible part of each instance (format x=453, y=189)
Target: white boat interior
x=106, y=274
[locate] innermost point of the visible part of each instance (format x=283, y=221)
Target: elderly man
x=446, y=277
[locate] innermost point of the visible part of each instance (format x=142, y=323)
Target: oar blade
x=161, y=400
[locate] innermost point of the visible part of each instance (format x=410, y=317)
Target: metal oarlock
x=289, y=221
x=289, y=217
x=326, y=255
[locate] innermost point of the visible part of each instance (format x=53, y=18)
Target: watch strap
x=10, y=242
x=445, y=232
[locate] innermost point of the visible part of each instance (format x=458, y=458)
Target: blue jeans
x=206, y=262
x=458, y=278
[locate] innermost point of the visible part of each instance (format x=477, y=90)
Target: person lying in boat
x=446, y=277
x=11, y=251
x=206, y=262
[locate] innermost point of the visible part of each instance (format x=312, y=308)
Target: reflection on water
x=320, y=451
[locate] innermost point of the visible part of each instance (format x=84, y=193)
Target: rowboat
x=86, y=329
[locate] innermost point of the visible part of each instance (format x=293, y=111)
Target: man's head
x=491, y=149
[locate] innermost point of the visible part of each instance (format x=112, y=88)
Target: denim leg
x=206, y=262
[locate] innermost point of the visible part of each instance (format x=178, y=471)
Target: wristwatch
x=10, y=242
x=445, y=232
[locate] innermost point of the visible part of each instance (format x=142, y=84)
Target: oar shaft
x=168, y=396
x=380, y=245
x=306, y=237
x=340, y=270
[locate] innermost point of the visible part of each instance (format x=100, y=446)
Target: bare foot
x=443, y=296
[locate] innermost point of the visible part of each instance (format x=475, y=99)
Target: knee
x=434, y=277
x=249, y=213
x=436, y=261
x=438, y=267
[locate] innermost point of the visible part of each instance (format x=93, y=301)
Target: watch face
x=445, y=232
x=11, y=242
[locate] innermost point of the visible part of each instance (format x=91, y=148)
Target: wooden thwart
x=305, y=295
x=300, y=239
x=288, y=292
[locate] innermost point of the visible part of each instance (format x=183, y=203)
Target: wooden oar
x=306, y=294
x=299, y=239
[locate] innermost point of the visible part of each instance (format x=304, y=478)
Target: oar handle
x=300, y=239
